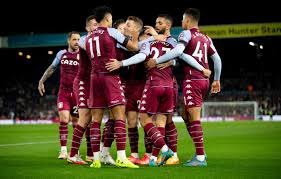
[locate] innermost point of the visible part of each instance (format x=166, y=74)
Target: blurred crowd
x=21, y=100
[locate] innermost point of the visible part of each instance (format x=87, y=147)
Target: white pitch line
x=27, y=143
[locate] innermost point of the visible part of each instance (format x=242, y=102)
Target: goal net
x=230, y=111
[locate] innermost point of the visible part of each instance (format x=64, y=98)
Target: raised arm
x=130, y=43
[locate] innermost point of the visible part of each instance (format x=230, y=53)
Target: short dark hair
x=136, y=20
x=71, y=33
x=167, y=17
x=194, y=13
x=118, y=22
x=101, y=11
x=89, y=18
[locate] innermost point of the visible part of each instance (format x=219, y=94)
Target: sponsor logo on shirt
x=69, y=62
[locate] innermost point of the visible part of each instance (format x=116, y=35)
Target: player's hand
x=113, y=65
x=164, y=65
x=150, y=30
x=216, y=86
x=151, y=63
x=207, y=73
x=41, y=88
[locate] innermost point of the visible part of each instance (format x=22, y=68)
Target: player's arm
x=173, y=62
x=114, y=64
x=150, y=39
x=184, y=39
x=138, y=58
x=150, y=30
x=82, y=43
x=192, y=62
x=215, y=87
x=160, y=37
x=50, y=70
x=130, y=43
x=217, y=66
x=217, y=72
x=166, y=64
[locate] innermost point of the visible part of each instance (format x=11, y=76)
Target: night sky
x=49, y=17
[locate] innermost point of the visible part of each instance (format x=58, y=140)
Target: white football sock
x=121, y=154
x=201, y=158
x=164, y=148
x=96, y=156
x=63, y=148
x=153, y=158
x=136, y=155
x=101, y=146
x=105, y=150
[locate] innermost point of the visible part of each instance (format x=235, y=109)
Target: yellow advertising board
x=242, y=30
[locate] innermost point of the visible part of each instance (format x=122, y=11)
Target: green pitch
x=234, y=149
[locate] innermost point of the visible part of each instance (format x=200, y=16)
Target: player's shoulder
x=61, y=52
x=114, y=33
x=145, y=46
x=111, y=30
x=172, y=41
x=185, y=34
x=209, y=38
x=83, y=38
x=187, y=31
x=171, y=38
x=206, y=37
x=82, y=41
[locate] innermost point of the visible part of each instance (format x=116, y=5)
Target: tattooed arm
x=50, y=70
